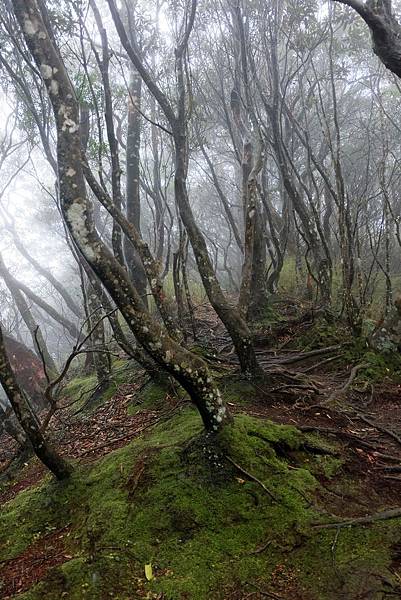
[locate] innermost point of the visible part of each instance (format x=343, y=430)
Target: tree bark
x=133, y=198
x=384, y=28
x=49, y=457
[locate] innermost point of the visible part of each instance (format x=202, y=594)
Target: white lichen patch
x=69, y=125
x=46, y=71
x=53, y=88
x=30, y=26
x=220, y=414
x=76, y=216
x=70, y=172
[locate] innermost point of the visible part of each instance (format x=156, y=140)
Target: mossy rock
x=207, y=527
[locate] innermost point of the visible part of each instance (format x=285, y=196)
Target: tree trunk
x=188, y=369
x=133, y=198
x=101, y=360
x=49, y=457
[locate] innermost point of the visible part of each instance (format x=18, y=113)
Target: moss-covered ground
x=82, y=390
x=207, y=525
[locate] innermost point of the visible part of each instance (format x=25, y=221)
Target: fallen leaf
x=149, y=572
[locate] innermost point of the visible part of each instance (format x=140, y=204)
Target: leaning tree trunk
x=231, y=317
x=26, y=314
x=384, y=28
x=49, y=457
x=188, y=369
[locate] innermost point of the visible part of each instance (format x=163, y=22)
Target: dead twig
x=260, y=549
x=252, y=477
x=264, y=592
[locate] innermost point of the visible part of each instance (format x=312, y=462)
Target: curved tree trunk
x=188, y=369
x=234, y=323
x=57, y=465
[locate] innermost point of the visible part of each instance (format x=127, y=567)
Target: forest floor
x=280, y=524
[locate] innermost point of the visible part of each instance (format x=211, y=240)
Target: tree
x=384, y=28
x=57, y=465
x=187, y=368
x=232, y=319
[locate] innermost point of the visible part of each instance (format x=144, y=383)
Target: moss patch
x=153, y=396
x=173, y=500
x=80, y=389
x=237, y=391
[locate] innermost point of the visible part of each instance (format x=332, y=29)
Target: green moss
x=80, y=389
x=268, y=316
x=237, y=391
x=328, y=466
x=379, y=365
x=200, y=522
x=153, y=396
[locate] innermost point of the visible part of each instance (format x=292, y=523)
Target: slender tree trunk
x=101, y=360
x=49, y=457
x=233, y=321
x=133, y=199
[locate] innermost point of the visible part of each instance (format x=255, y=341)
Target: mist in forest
x=192, y=194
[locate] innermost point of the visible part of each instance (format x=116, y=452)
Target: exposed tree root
x=393, y=513
x=336, y=394
x=389, y=432
x=289, y=360
x=338, y=432
x=323, y=362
